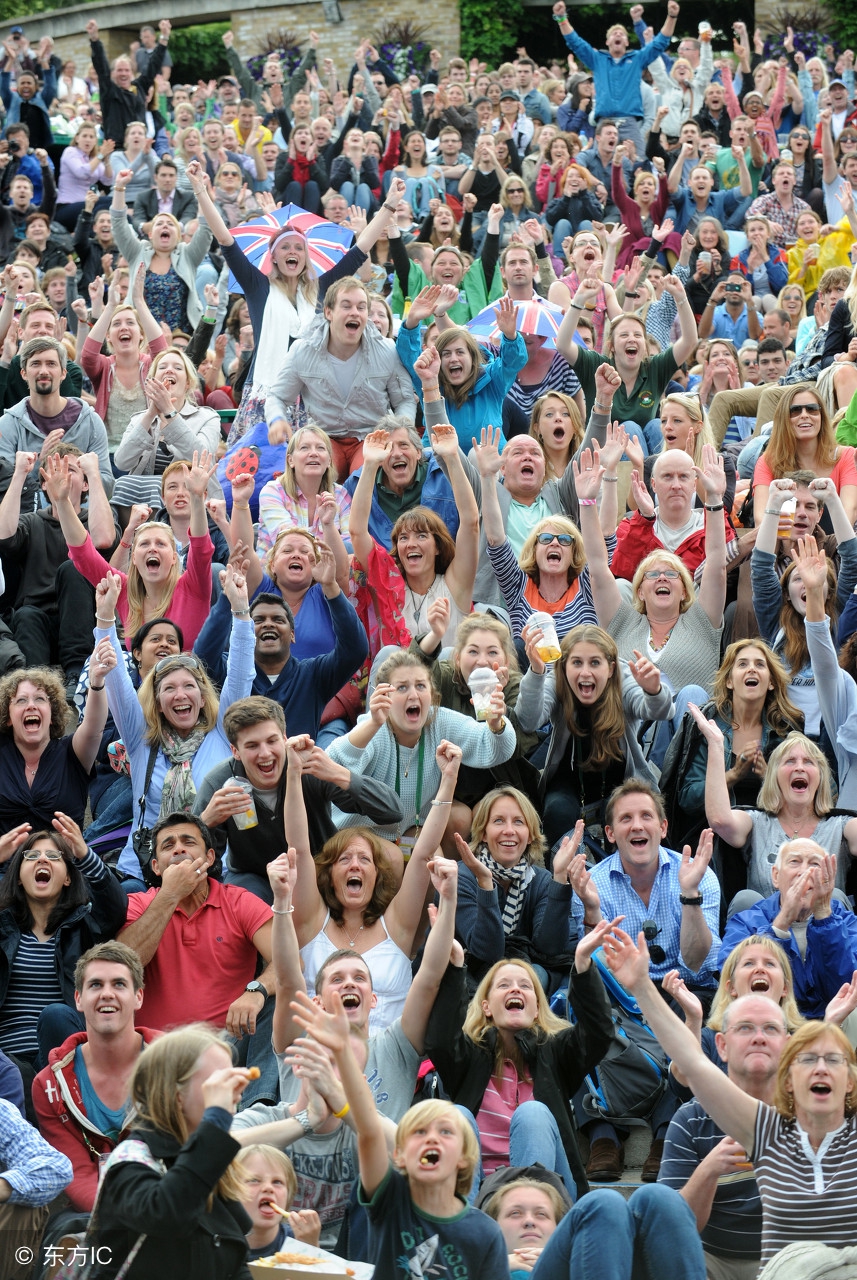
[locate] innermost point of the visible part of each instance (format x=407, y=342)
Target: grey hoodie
x=19, y=434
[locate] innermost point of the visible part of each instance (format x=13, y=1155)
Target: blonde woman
x=175, y=426
x=183, y=1096
x=282, y=300
x=154, y=586
x=293, y=500
x=173, y=728
x=514, y=1055
x=557, y=425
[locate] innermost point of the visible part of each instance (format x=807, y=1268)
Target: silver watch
x=303, y=1120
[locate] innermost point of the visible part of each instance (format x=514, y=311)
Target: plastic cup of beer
x=787, y=518
x=482, y=682
x=548, y=647
x=246, y=818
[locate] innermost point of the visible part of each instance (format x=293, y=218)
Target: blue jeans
x=258, y=885
x=534, y=1138
x=306, y=194
x=359, y=194
x=650, y=436
x=257, y=1051
x=56, y=1023
x=206, y=273
x=563, y=229
x=644, y=1238
x=665, y=730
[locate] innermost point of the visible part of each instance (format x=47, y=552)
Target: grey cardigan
x=638, y=707
x=185, y=257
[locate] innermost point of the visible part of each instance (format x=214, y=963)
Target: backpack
x=631, y=1078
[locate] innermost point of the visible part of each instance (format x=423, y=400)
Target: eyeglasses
x=33, y=855
x=795, y=410
x=830, y=1059
x=750, y=1029
x=564, y=539
x=650, y=928
x=652, y=575
x=229, y=173
x=179, y=660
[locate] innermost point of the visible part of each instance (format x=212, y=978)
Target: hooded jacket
x=63, y=1121
x=18, y=433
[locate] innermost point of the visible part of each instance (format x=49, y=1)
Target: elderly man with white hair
x=816, y=931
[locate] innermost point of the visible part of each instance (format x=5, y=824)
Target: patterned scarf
x=519, y=877
x=179, y=789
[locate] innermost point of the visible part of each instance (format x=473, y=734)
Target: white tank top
x=389, y=966
x=415, y=611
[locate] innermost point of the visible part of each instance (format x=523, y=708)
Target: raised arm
x=55, y=474
x=489, y=464
x=687, y=320
x=732, y=825
x=461, y=574
x=308, y=902
x=285, y=950
x=436, y=956
x=376, y=447
x=199, y=181
x=712, y=588
x=405, y=911
x=586, y=292
x=588, y=476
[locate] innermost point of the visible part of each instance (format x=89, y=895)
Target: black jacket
x=121, y=107
x=575, y=208
x=840, y=331
x=89, y=253
x=557, y=1064
x=184, y=1239
x=146, y=206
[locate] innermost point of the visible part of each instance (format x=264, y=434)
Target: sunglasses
x=33, y=855
x=795, y=410
x=657, y=955
x=805, y=136
x=179, y=660
x=564, y=539
x=229, y=173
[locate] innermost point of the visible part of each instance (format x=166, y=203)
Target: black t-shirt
x=61, y=782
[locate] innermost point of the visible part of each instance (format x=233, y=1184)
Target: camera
x=733, y=288
x=14, y=147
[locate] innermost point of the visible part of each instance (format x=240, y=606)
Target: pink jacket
x=100, y=369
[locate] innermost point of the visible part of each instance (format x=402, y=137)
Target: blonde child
x=270, y=1183
x=527, y=1212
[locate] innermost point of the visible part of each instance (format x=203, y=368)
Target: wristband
x=560, y=17
x=440, y=803
x=389, y=207
x=241, y=613
x=645, y=517
x=105, y=622
x=289, y=911
x=340, y=1115
x=610, y=479
x=711, y=303
x=717, y=507
x=629, y=294
x=126, y=545
x=769, y=512
x=241, y=506
x=96, y=688
x=601, y=408
x=691, y=902
x=587, y=502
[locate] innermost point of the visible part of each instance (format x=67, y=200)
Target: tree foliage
x=198, y=52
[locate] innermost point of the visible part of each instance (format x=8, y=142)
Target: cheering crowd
x=428, y=645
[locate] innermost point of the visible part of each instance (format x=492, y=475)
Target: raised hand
x=591, y=941
x=588, y=474
x=480, y=872
x=376, y=448
x=444, y=441
x=812, y=563
x=102, y=662
x=203, y=467
x=614, y=446
x=448, y=758
x=843, y=1003
x=424, y=303
x=324, y=569
x=380, y=703
x=694, y=866
x=506, y=314
x=532, y=638
x=642, y=497
x=712, y=474
x=107, y=595
x=646, y=674
x=283, y=876
x=709, y=729
x=566, y=852
x=674, y=985
x=427, y=366
x=487, y=452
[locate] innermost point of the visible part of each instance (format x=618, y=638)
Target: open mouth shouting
x=413, y=713
x=32, y=721
x=430, y=1158
x=42, y=875
x=760, y=984
x=152, y=563
x=455, y=371
x=586, y=688
x=350, y=1000
x=268, y=635
x=639, y=841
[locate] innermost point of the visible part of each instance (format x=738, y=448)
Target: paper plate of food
x=300, y=1261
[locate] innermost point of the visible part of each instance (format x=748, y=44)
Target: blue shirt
x=737, y=331
x=35, y=1170
x=110, y=1122
x=536, y=104
x=721, y=204
x=617, y=80
x=620, y=898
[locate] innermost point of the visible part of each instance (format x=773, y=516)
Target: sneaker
x=70, y=680
x=606, y=1161
x=652, y=1164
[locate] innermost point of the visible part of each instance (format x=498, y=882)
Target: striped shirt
x=494, y=1118
x=34, y=1170
x=513, y=583
x=734, y=1227
x=33, y=983
x=806, y=1194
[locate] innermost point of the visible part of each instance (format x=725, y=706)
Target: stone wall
x=119, y=24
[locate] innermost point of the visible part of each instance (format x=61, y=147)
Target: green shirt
x=643, y=403
x=473, y=297
x=727, y=170
x=394, y=504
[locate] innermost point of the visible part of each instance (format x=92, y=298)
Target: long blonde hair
x=157, y=1081
x=148, y=698
x=780, y=712
x=306, y=282
x=288, y=479
x=477, y=1026
x=771, y=797
x=724, y=997
x=695, y=410
x=136, y=588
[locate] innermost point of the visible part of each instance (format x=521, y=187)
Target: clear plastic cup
x=482, y=682
x=548, y=647
x=248, y=818
x=787, y=518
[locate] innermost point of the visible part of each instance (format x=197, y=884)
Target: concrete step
x=636, y=1149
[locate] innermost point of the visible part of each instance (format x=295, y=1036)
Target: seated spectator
x=118, y=378
x=301, y=174
x=297, y=498
x=37, y=320
x=256, y=729
x=174, y=735
x=409, y=476
x=137, y=160
x=269, y=1190
x=163, y=197
x=456, y=368
x=201, y=943
x=198, y=1228
x=601, y=711
x=175, y=511
x=816, y=250
x=686, y=911
x=509, y=906
x=556, y=422
x=155, y=583
x=527, y=1210
x=431, y=566
x=13, y=217
x=841, y=332
x=423, y=180
x=93, y=243
x=729, y=311
x=588, y=261
x=53, y=606
x=81, y=1096
x=57, y=899
x=763, y=262
x=174, y=426
x=354, y=174
x=83, y=163
x=696, y=198
x=780, y=601
x=709, y=263
x=802, y=904
x=34, y=1174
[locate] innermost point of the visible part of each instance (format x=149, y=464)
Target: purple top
x=76, y=177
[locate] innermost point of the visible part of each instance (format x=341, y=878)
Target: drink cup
x=246, y=818
x=548, y=647
x=787, y=518
x=482, y=682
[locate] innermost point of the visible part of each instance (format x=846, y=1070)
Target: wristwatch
x=691, y=902
x=303, y=1120
x=255, y=985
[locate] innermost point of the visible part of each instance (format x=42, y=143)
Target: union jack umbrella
x=532, y=317
x=327, y=242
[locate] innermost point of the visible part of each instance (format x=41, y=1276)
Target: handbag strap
x=150, y=769
x=131, y=1151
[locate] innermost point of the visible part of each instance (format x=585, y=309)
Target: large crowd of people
x=428, y=718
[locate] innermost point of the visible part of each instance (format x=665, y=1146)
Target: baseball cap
x=837, y=81
x=510, y=93
x=227, y=80
x=428, y=88
x=16, y=31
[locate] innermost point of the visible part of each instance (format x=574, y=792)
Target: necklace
x=352, y=941
x=32, y=772
x=418, y=609
x=653, y=645
x=802, y=823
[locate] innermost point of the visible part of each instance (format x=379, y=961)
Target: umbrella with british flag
x=532, y=317
x=327, y=243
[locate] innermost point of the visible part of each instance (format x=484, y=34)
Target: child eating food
x=270, y=1185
